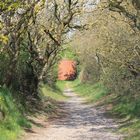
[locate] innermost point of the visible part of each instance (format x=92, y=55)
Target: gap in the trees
x=67, y=70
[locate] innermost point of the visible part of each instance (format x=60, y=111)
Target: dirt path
x=83, y=122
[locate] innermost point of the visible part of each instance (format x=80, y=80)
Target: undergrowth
x=131, y=129
x=11, y=120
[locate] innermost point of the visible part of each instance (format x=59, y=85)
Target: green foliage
x=93, y=92
x=132, y=130
x=110, y=55
x=127, y=106
x=68, y=53
x=61, y=85
x=55, y=93
x=12, y=120
x=52, y=75
x=30, y=43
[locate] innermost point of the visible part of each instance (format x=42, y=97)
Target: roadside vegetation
x=55, y=93
x=92, y=93
x=109, y=56
x=104, y=39
x=122, y=108
x=12, y=119
x=32, y=33
x=14, y=115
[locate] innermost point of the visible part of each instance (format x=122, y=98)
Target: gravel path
x=83, y=122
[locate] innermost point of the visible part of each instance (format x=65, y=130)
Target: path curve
x=83, y=122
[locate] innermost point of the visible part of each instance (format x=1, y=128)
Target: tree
x=32, y=33
x=109, y=51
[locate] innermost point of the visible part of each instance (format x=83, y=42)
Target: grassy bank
x=12, y=120
x=12, y=114
x=132, y=129
x=92, y=93
x=124, y=107
x=55, y=93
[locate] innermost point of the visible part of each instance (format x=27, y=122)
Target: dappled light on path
x=81, y=122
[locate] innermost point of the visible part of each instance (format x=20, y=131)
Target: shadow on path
x=80, y=122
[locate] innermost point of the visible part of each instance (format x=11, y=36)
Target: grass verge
x=11, y=120
x=92, y=93
x=132, y=129
x=55, y=93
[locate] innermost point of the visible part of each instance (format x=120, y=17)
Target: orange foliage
x=67, y=70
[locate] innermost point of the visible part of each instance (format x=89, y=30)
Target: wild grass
x=131, y=130
x=92, y=93
x=12, y=121
x=126, y=106
x=61, y=85
x=54, y=93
